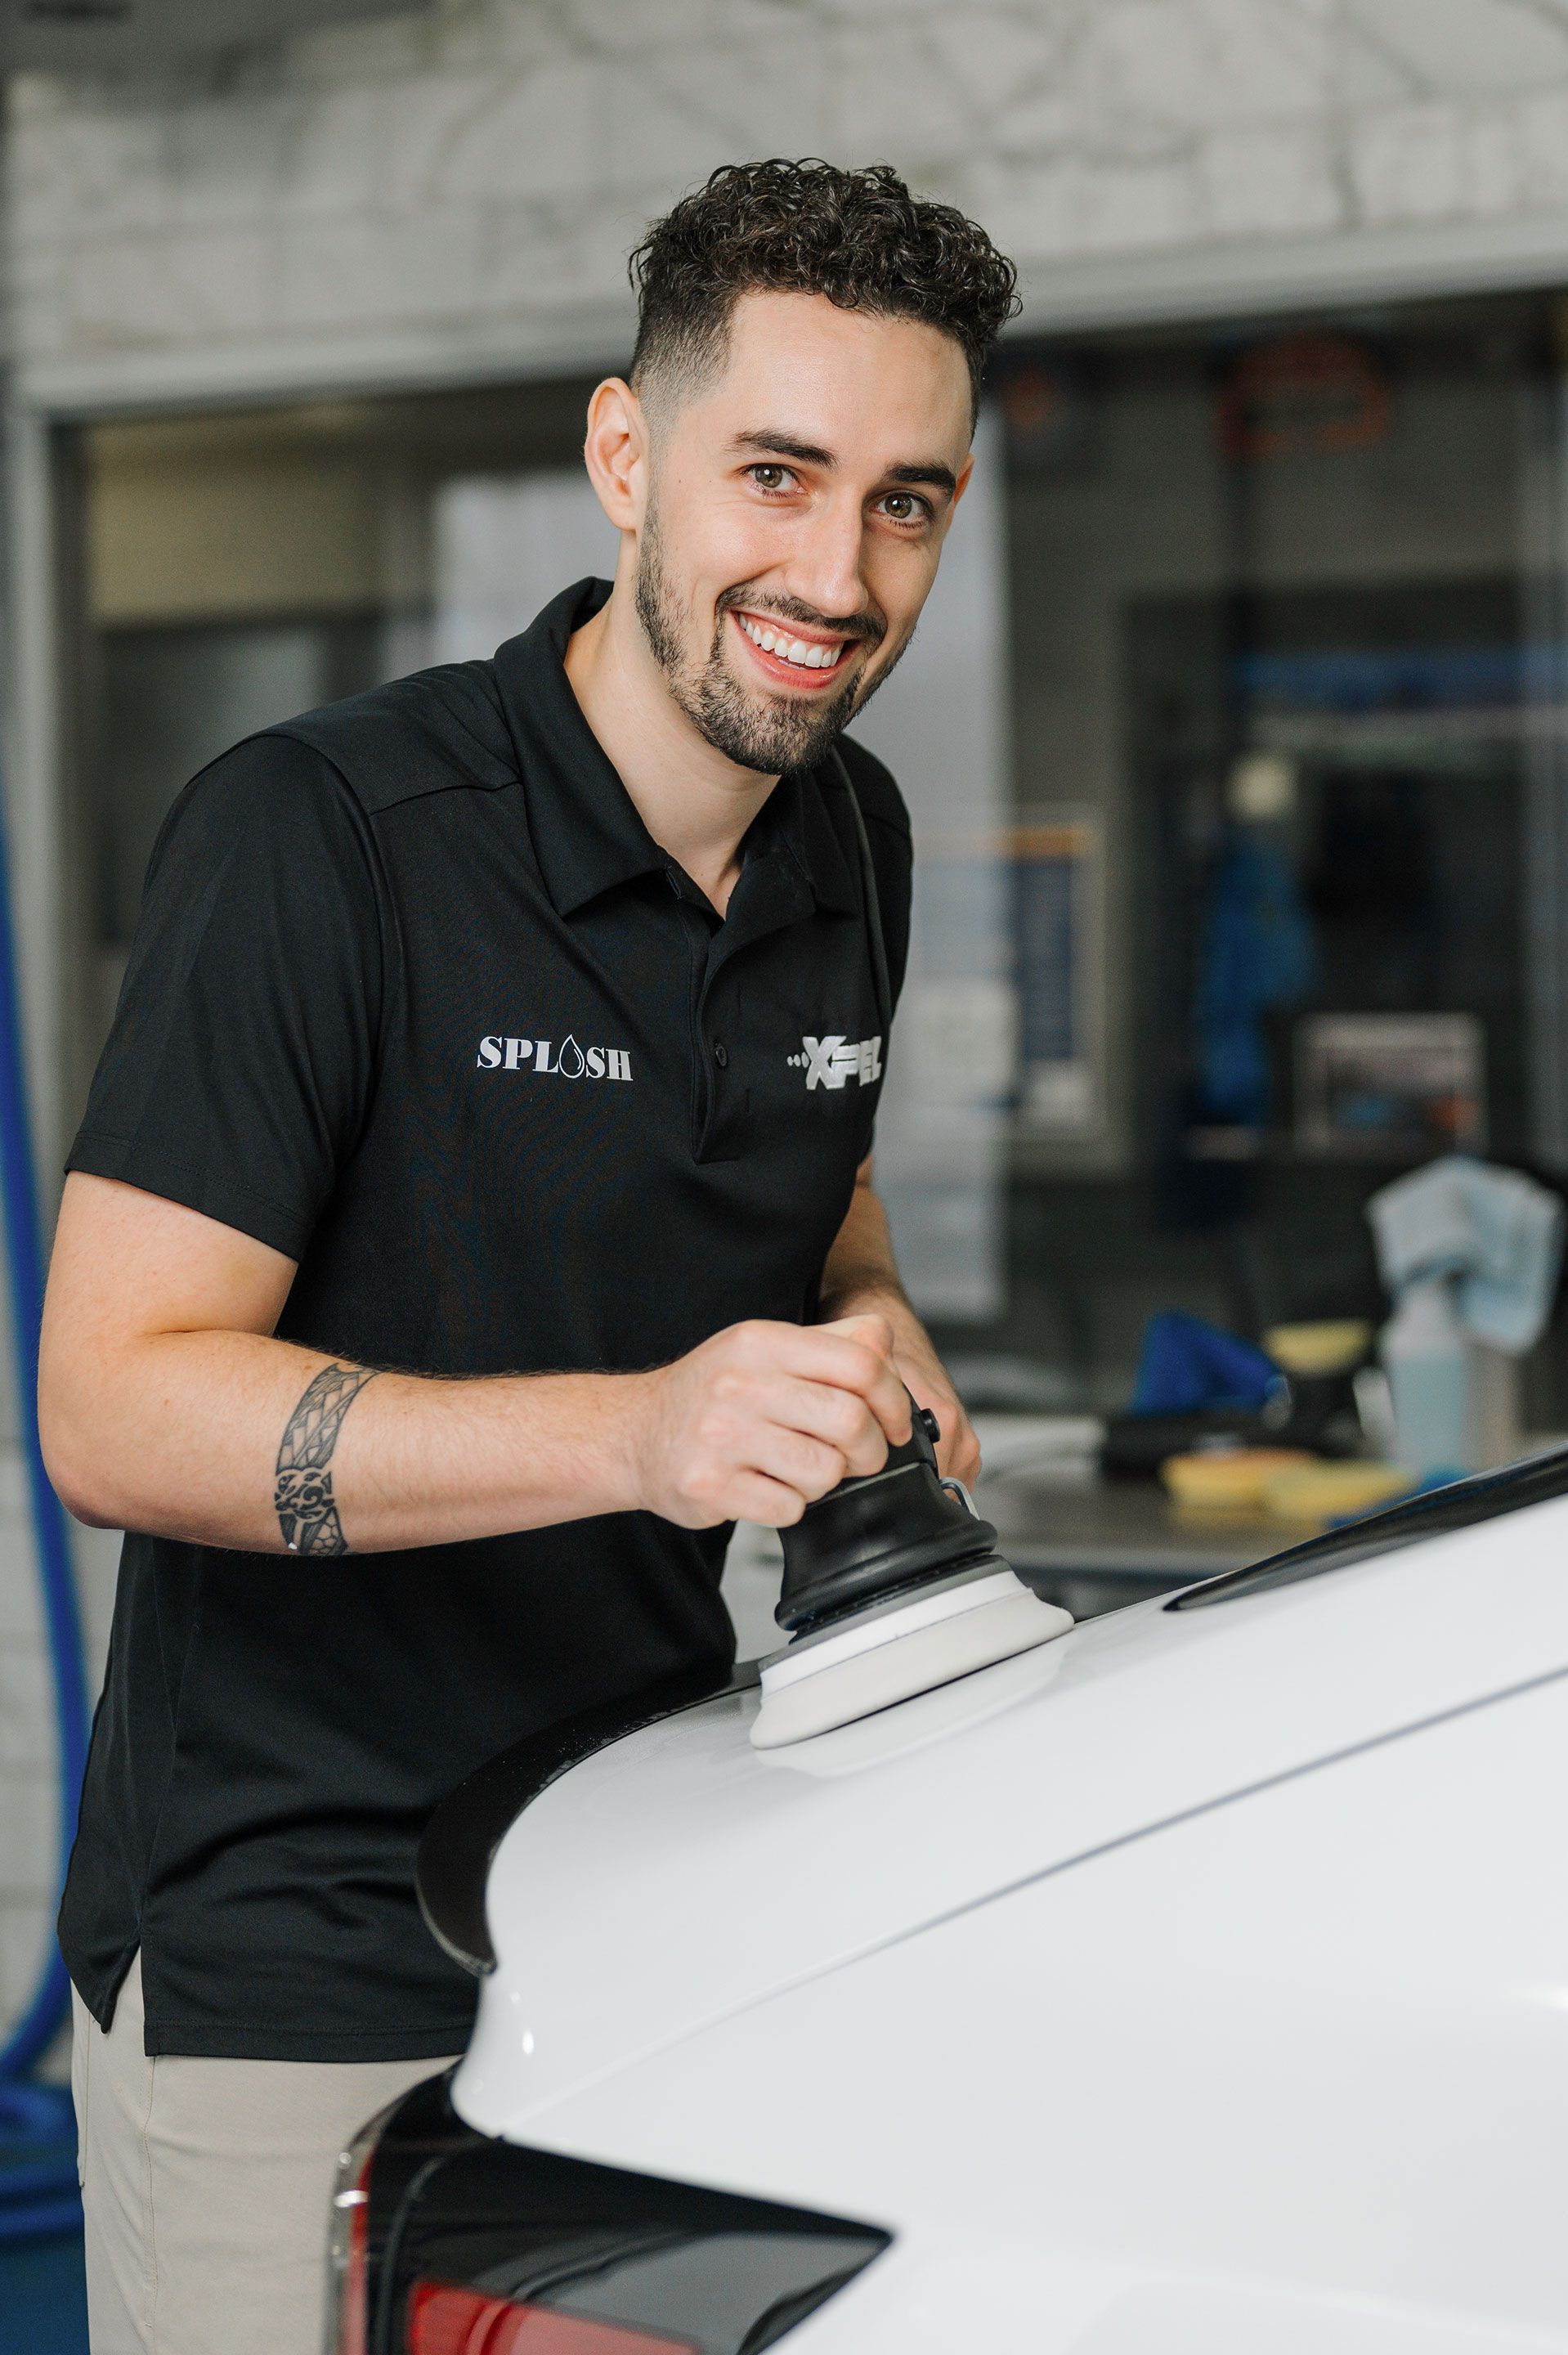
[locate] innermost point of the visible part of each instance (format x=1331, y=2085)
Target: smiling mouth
x=810, y=657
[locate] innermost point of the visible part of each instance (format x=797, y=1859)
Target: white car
x=1196, y=1984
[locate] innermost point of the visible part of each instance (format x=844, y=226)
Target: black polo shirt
x=417, y=999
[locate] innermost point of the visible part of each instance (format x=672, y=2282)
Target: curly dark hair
x=812, y=227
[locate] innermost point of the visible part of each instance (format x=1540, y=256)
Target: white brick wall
x=486, y=167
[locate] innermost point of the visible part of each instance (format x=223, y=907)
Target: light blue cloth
x=1495, y=1231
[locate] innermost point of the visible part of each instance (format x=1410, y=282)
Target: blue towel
x=1187, y=1364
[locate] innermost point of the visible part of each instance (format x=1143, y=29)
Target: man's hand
x=925, y=1378
x=862, y=1279
x=756, y=1423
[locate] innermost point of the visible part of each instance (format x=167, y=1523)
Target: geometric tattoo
x=303, y=1498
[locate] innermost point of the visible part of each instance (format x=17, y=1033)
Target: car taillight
x=469, y=2245
x=445, y=2320
x=348, y=2244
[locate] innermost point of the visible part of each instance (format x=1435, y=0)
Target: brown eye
x=771, y=478
x=903, y=507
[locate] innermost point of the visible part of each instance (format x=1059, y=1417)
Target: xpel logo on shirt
x=830, y=1062
x=572, y=1062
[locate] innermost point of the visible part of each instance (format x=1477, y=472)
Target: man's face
x=798, y=505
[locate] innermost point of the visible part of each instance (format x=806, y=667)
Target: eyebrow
x=940, y=477
x=787, y=445
x=810, y=454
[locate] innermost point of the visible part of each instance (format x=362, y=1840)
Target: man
x=489, y=1040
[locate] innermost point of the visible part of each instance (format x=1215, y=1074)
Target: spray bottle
x=1425, y=1358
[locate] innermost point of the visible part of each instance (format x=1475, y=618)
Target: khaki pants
x=207, y=2187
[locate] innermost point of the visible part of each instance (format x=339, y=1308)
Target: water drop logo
x=498, y=1053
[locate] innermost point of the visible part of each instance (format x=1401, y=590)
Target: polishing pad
x=895, y=1649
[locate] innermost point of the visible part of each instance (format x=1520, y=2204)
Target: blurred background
x=1234, y=735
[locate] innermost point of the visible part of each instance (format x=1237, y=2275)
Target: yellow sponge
x=1229, y=1480
x=1314, y=1494
x=1336, y=1347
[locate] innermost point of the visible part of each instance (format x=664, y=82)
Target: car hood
x=679, y=1876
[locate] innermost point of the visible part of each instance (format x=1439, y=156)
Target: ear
x=962, y=485
x=615, y=452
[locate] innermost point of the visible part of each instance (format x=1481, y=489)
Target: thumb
x=874, y=1331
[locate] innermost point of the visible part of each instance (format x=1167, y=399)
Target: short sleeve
x=239, y=1072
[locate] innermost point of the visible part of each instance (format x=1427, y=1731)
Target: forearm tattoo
x=307, y=1514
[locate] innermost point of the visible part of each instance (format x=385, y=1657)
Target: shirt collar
x=587, y=834
x=584, y=824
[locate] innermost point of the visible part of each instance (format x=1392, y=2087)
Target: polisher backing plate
x=882, y=1656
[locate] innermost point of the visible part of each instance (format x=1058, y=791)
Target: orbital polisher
x=892, y=1585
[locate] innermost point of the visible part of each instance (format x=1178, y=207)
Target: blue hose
x=38, y=2168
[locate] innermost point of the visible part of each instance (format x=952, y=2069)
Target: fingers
x=854, y=1355
x=764, y=1417
x=838, y=1417
x=802, y=1439
x=873, y=1330
x=769, y=1503
x=960, y=1455
x=957, y=1449
x=746, y=1497
x=859, y=1357
x=807, y=1465
x=801, y=1434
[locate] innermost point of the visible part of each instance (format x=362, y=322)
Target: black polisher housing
x=870, y=1537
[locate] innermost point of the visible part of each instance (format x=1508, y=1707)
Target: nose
x=824, y=568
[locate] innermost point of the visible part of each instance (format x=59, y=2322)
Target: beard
x=770, y=733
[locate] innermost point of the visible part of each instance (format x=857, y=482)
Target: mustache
x=868, y=629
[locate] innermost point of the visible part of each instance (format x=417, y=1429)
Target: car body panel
x=679, y=1876
x=1291, y=2074
x=931, y=2300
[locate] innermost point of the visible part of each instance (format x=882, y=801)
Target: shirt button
x=721, y=1054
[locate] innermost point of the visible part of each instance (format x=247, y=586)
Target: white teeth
x=794, y=650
